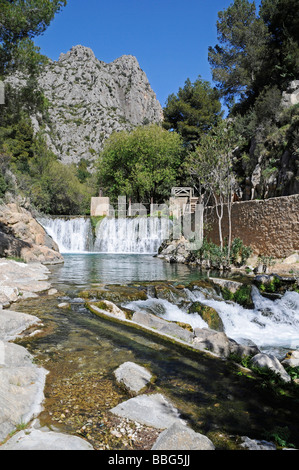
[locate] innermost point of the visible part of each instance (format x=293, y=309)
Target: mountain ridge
x=89, y=99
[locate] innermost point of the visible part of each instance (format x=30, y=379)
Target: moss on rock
x=208, y=314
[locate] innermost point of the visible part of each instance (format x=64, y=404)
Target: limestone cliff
x=89, y=99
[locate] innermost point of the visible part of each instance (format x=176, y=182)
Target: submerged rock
x=151, y=410
x=133, y=376
x=180, y=437
x=115, y=293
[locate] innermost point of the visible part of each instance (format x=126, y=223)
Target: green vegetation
x=142, y=164
x=252, y=64
x=193, y=111
x=223, y=257
x=242, y=296
x=27, y=165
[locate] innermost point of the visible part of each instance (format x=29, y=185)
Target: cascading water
x=142, y=235
x=270, y=325
x=139, y=235
x=72, y=235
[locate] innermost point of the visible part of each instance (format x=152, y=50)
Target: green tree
x=282, y=20
x=141, y=164
x=212, y=166
x=193, y=111
x=255, y=49
x=20, y=22
x=239, y=59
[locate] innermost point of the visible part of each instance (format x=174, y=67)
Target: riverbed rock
x=21, y=236
x=271, y=362
x=151, y=410
x=208, y=314
x=106, y=307
x=35, y=439
x=220, y=344
x=163, y=326
x=132, y=376
x=13, y=324
x=115, y=293
x=232, y=286
x=21, y=388
x=181, y=437
x=21, y=280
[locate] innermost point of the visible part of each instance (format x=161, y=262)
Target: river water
x=82, y=351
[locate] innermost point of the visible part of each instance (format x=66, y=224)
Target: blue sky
x=170, y=38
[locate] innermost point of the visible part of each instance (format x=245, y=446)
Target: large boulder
x=21, y=236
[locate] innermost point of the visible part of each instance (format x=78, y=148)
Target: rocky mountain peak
x=89, y=99
x=78, y=53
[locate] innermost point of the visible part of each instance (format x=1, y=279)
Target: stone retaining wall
x=270, y=226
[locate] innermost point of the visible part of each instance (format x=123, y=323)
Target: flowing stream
x=82, y=351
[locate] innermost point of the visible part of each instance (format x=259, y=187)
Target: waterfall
x=72, y=235
x=141, y=235
x=131, y=235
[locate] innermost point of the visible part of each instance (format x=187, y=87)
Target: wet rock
x=220, y=344
x=271, y=362
x=64, y=305
x=132, y=376
x=151, y=410
x=232, y=286
x=213, y=341
x=180, y=437
x=35, y=439
x=170, y=293
x=208, y=314
x=106, y=307
x=117, y=294
x=163, y=326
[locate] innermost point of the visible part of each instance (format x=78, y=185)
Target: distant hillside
x=90, y=99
